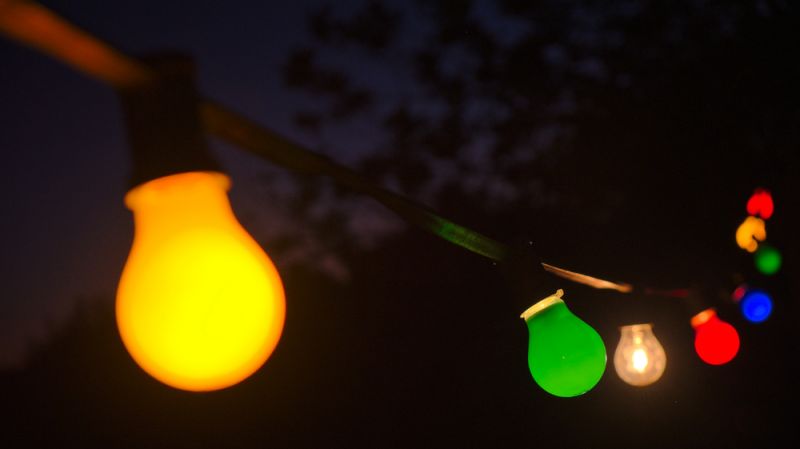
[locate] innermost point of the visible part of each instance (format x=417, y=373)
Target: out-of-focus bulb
x=768, y=260
x=716, y=342
x=639, y=359
x=566, y=356
x=199, y=305
x=750, y=232
x=760, y=203
x=756, y=305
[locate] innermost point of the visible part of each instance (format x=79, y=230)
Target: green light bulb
x=566, y=356
x=768, y=260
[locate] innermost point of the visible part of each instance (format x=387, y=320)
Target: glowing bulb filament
x=639, y=360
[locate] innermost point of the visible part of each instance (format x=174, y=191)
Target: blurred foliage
x=573, y=124
x=622, y=138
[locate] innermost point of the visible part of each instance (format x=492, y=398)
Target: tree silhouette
x=621, y=138
x=588, y=114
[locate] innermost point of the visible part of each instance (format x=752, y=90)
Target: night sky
x=70, y=231
x=633, y=168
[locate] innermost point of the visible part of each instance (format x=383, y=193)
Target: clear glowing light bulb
x=566, y=356
x=716, y=342
x=199, y=305
x=640, y=359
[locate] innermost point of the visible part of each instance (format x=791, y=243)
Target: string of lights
x=567, y=357
x=756, y=302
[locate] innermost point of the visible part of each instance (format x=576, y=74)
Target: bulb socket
x=163, y=125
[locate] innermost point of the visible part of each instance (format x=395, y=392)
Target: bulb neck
x=196, y=200
x=545, y=303
x=703, y=317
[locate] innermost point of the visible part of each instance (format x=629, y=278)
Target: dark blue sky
x=65, y=231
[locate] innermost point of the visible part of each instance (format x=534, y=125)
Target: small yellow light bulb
x=639, y=359
x=199, y=306
x=750, y=232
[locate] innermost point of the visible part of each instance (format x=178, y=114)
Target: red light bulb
x=739, y=293
x=761, y=204
x=715, y=341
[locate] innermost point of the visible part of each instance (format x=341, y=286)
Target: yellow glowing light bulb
x=750, y=232
x=639, y=359
x=199, y=306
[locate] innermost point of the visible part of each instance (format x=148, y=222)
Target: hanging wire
x=33, y=25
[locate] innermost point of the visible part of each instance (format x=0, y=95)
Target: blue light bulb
x=756, y=306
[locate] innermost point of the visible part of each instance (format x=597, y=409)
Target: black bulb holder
x=525, y=276
x=164, y=129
